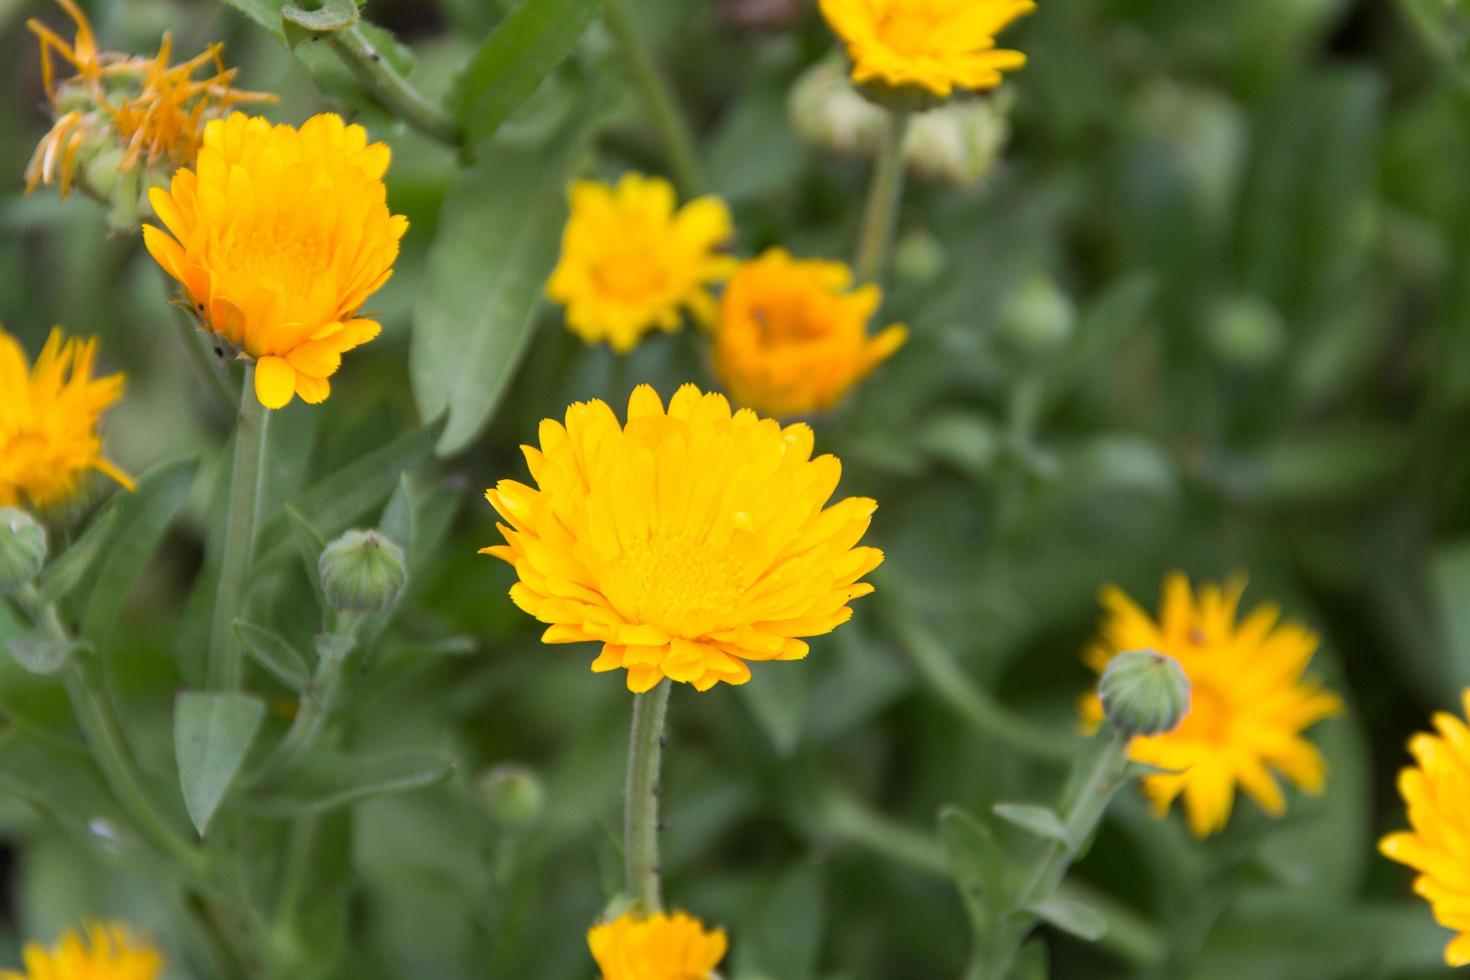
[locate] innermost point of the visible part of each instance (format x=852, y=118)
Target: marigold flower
x=1248, y=706
x=1436, y=792
x=633, y=261
x=686, y=542
x=279, y=236
x=48, y=420
x=792, y=335
x=659, y=947
x=108, y=952
x=926, y=46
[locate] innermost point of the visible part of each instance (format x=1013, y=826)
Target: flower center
x=677, y=583
x=277, y=259
x=787, y=320
x=629, y=273
x=910, y=27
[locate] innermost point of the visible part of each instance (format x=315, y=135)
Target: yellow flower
x=279, y=236
x=109, y=952
x=686, y=543
x=792, y=335
x=1436, y=792
x=150, y=111
x=934, y=46
x=1248, y=705
x=659, y=947
x=632, y=261
x=48, y=420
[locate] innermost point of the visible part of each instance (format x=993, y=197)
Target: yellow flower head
x=279, y=236
x=108, y=952
x=633, y=261
x=792, y=335
x=1249, y=702
x=686, y=542
x=659, y=947
x=151, y=111
x=1436, y=792
x=48, y=420
x=933, y=46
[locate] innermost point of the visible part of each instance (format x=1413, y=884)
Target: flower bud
x=512, y=795
x=22, y=548
x=1038, y=317
x=1247, y=332
x=1144, y=692
x=362, y=571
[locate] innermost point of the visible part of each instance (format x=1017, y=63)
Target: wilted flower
x=920, y=51
x=1248, y=702
x=279, y=236
x=633, y=261
x=686, y=542
x=1436, y=792
x=48, y=420
x=792, y=334
x=658, y=947
x=108, y=952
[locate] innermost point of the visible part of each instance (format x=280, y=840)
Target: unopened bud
x=362, y=571
x=1144, y=692
x=512, y=795
x=22, y=548
x=1247, y=332
x=1038, y=317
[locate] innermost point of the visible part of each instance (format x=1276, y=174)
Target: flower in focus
x=659, y=947
x=1249, y=702
x=686, y=542
x=792, y=334
x=633, y=261
x=279, y=236
x=118, y=116
x=926, y=47
x=1436, y=792
x=107, y=952
x=48, y=420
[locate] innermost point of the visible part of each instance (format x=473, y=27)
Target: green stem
x=312, y=713
x=885, y=194
x=658, y=97
x=392, y=89
x=246, y=475
x=299, y=846
x=205, y=364
x=640, y=823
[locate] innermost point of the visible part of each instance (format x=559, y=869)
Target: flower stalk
x=395, y=92
x=640, y=822
x=885, y=194
x=658, y=97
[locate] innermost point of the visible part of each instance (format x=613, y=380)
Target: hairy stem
x=658, y=97
x=396, y=93
x=885, y=194
x=640, y=823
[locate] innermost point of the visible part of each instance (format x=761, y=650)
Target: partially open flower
x=657, y=947
x=279, y=236
x=107, y=952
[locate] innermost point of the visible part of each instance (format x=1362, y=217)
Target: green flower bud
x=1038, y=317
x=1247, y=332
x=512, y=795
x=22, y=548
x=1144, y=692
x=362, y=571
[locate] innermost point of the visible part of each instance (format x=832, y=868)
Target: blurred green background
x=1259, y=211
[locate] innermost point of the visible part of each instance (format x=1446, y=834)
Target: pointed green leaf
x=40, y=654
x=63, y=574
x=397, y=523
x=275, y=654
x=213, y=733
x=265, y=13
x=977, y=865
x=1034, y=819
x=1072, y=917
x=329, y=781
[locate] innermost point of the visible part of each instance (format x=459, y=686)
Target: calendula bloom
x=686, y=542
x=1436, y=792
x=107, y=952
x=48, y=420
x=279, y=236
x=657, y=947
x=125, y=112
x=928, y=46
x=1249, y=702
x=633, y=261
x=792, y=335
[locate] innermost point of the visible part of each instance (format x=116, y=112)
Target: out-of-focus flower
x=1248, y=707
x=657, y=947
x=48, y=420
x=122, y=122
x=633, y=261
x=958, y=142
x=1436, y=792
x=107, y=952
x=792, y=334
x=686, y=542
x=913, y=53
x=279, y=236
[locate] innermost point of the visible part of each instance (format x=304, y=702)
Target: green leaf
x=1034, y=819
x=275, y=654
x=522, y=50
x=266, y=13
x=779, y=705
x=977, y=865
x=1032, y=963
x=332, y=15
x=309, y=545
x=41, y=655
x=788, y=924
x=213, y=732
x=62, y=780
x=63, y=574
x=1072, y=917
x=397, y=523
x=477, y=307
x=327, y=782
